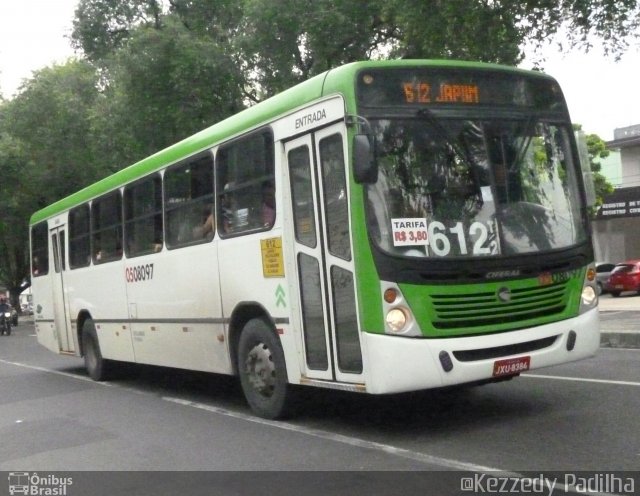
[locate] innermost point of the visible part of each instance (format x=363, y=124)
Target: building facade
x=616, y=227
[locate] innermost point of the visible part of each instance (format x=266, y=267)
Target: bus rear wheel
x=97, y=367
x=262, y=369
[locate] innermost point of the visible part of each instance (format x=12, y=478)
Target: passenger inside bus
x=226, y=208
x=206, y=229
x=268, y=204
x=36, y=266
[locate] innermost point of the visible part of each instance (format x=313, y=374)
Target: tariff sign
x=272, y=264
x=409, y=232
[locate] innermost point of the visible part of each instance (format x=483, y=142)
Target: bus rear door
x=323, y=259
x=62, y=322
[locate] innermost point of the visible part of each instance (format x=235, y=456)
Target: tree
x=277, y=43
x=101, y=27
x=15, y=195
x=156, y=71
x=284, y=42
x=45, y=154
x=53, y=117
x=289, y=40
x=460, y=29
x=597, y=150
x=162, y=86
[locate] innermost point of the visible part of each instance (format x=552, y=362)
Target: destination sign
x=433, y=86
x=423, y=92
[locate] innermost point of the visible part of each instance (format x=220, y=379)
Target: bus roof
x=340, y=80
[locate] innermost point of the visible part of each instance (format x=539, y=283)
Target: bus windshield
x=459, y=187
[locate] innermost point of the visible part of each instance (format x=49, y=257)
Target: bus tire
x=262, y=370
x=97, y=367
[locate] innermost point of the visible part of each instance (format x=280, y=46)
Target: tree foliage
x=101, y=27
x=280, y=42
x=151, y=72
x=53, y=116
x=598, y=150
x=45, y=152
x=163, y=85
x=15, y=199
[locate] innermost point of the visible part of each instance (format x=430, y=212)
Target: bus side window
x=79, y=237
x=301, y=192
x=106, y=228
x=40, y=249
x=246, y=200
x=143, y=216
x=335, y=195
x=188, y=202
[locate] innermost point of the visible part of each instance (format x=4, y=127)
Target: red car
x=625, y=276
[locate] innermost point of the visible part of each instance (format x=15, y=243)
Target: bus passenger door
x=61, y=316
x=323, y=260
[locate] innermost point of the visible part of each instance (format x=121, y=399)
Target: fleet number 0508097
x=139, y=273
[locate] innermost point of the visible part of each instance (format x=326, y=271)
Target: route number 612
x=481, y=237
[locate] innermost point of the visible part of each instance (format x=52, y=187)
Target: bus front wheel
x=97, y=367
x=262, y=370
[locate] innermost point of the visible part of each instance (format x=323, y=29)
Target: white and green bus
x=384, y=227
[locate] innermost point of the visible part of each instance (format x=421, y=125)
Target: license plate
x=619, y=286
x=511, y=366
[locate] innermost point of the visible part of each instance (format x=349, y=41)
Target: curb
x=620, y=339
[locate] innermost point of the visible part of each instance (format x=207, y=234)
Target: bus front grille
x=479, y=309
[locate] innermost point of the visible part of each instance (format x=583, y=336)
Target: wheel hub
x=261, y=370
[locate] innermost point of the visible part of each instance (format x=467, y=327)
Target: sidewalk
x=620, y=321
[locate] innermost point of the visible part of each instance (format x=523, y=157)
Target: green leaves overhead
x=151, y=72
x=164, y=85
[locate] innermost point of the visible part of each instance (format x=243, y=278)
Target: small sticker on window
x=409, y=231
x=487, y=196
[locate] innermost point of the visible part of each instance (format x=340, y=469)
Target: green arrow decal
x=280, y=297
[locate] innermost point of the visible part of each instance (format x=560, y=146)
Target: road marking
x=326, y=435
x=447, y=463
x=51, y=371
x=581, y=379
x=340, y=438
x=74, y=376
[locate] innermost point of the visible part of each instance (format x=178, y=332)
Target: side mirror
x=365, y=167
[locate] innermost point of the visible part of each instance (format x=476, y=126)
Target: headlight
x=396, y=319
x=588, y=295
x=7, y=314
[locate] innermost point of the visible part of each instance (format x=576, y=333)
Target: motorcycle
x=5, y=323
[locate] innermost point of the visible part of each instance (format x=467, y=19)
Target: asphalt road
x=576, y=417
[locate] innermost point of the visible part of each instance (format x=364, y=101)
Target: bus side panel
x=106, y=304
x=174, y=301
x=242, y=277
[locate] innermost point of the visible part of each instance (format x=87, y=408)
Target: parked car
x=625, y=276
x=603, y=271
